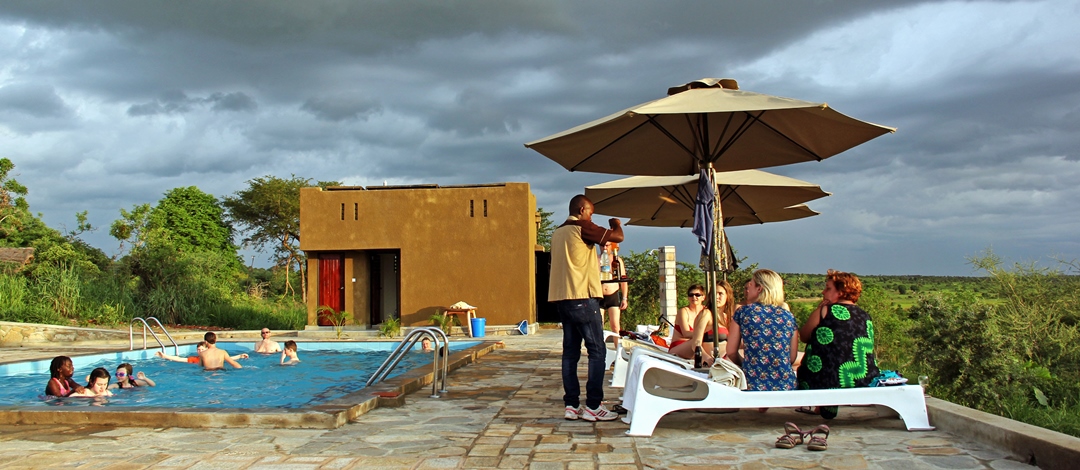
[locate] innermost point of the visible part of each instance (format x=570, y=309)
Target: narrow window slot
x=343, y=211
x=485, y=207
x=356, y=211
x=471, y=208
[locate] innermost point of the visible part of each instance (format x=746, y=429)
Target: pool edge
x=331, y=415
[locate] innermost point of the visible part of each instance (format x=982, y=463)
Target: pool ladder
x=146, y=327
x=406, y=345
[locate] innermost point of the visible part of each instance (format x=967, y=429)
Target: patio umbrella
x=742, y=194
x=798, y=211
x=709, y=122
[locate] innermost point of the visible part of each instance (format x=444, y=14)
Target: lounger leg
x=911, y=406
x=618, y=376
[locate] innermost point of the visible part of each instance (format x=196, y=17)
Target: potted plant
x=336, y=318
x=390, y=328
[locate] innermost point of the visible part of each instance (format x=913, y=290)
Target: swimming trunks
x=610, y=301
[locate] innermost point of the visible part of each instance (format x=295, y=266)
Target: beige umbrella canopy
x=798, y=211
x=705, y=122
x=745, y=193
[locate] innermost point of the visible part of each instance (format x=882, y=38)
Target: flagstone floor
x=503, y=412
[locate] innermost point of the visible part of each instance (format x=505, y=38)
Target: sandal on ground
x=792, y=438
x=810, y=410
x=818, y=438
x=619, y=409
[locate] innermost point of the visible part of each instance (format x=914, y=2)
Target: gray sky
x=108, y=104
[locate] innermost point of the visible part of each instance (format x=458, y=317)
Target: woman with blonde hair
x=767, y=332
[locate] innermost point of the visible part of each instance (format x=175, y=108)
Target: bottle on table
x=698, y=362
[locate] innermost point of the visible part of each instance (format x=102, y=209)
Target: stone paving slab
x=503, y=412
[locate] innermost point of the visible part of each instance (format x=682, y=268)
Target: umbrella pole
x=712, y=275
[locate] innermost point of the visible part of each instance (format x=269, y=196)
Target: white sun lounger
x=623, y=357
x=664, y=387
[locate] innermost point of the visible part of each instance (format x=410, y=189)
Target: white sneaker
x=599, y=414
x=572, y=413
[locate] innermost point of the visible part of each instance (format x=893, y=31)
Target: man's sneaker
x=572, y=413
x=599, y=414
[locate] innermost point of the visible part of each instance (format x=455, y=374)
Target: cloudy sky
x=108, y=104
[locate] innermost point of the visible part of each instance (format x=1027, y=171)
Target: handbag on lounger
x=725, y=372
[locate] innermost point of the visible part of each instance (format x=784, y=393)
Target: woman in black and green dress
x=839, y=338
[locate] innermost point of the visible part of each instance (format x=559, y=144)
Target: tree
x=268, y=212
x=13, y=207
x=131, y=226
x=195, y=221
x=544, y=228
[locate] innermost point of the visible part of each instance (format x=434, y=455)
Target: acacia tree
x=268, y=211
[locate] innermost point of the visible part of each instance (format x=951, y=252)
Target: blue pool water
x=327, y=370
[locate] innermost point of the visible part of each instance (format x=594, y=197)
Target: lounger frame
x=664, y=387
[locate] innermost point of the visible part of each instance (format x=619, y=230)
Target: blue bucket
x=478, y=327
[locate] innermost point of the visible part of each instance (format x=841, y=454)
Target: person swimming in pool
x=199, y=348
x=97, y=384
x=60, y=383
x=288, y=355
x=213, y=358
x=125, y=379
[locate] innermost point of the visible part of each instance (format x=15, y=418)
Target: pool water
x=327, y=370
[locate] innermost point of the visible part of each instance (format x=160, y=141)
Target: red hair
x=849, y=285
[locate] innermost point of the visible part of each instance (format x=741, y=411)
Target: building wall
x=450, y=248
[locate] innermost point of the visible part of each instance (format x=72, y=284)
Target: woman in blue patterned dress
x=767, y=332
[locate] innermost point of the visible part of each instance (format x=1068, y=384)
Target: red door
x=331, y=286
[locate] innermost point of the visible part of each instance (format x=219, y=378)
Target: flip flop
x=792, y=438
x=619, y=409
x=818, y=438
x=806, y=410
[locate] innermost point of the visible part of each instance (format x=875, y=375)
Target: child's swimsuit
x=64, y=391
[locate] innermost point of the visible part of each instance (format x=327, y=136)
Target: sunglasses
x=266, y=332
x=121, y=374
x=697, y=295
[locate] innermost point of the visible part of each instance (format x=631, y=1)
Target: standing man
x=267, y=345
x=575, y=289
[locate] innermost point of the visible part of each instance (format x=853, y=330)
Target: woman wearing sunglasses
x=681, y=344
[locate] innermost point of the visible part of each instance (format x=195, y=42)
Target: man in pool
x=214, y=358
x=267, y=345
x=199, y=348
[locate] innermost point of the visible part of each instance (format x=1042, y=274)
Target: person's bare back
x=214, y=358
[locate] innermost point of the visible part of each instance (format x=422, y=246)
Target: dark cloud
x=107, y=104
x=177, y=102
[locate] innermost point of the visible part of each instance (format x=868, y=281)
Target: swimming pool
x=326, y=371
x=325, y=390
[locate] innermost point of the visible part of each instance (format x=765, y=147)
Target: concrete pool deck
x=504, y=411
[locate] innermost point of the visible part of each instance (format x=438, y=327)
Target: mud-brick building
x=410, y=251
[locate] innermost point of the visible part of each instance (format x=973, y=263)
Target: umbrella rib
x=747, y=124
x=739, y=131
x=670, y=136
x=609, y=144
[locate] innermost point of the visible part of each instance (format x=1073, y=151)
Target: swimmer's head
x=123, y=372
x=59, y=364
x=210, y=337
x=99, y=380
x=290, y=345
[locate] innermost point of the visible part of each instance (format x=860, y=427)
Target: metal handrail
x=405, y=345
x=146, y=326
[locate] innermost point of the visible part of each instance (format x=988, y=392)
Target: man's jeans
x=581, y=320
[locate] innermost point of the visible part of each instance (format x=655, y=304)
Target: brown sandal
x=818, y=438
x=793, y=437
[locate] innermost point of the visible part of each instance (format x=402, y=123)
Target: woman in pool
x=97, y=385
x=60, y=383
x=288, y=355
x=767, y=332
x=124, y=379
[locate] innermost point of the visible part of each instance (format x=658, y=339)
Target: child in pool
x=61, y=384
x=97, y=385
x=290, y=353
x=125, y=379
